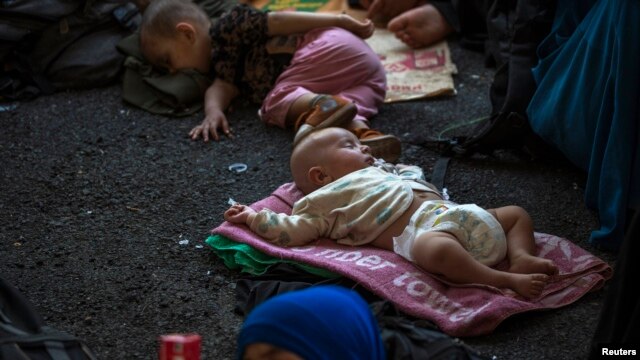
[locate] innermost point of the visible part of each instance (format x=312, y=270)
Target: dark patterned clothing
x=239, y=52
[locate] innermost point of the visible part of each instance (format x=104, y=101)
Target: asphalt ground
x=97, y=197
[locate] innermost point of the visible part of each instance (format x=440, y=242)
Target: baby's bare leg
x=521, y=244
x=441, y=253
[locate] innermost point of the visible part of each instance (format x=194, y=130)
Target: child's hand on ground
x=213, y=121
x=239, y=214
x=363, y=29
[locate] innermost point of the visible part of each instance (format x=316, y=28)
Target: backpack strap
x=12, y=351
x=53, y=341
x=56, y=350
x=16, y=312
x=440, y=171
x=21, y=325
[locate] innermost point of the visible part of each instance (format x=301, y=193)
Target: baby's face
x=178, y=52
x=342, y=153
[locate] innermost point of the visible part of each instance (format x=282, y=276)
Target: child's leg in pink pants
x=329, y=61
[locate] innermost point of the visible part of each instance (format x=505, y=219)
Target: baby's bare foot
x=529, y=285
x=529, y=264
x=420, y=26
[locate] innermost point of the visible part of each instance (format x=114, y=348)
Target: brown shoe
x=387, y=147
x=326, y=111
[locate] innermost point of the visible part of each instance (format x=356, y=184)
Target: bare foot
x=528, y=285
x=529, y=264
x=420, y=26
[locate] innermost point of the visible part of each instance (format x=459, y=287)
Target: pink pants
x=329, y=61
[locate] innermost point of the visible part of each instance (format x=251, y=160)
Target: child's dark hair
x=161, y=16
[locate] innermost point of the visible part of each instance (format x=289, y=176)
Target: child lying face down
x=304, y=68
x=350, y=200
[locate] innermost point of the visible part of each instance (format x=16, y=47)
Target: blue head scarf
x=321, y=322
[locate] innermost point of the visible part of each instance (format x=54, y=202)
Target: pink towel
x=467, y=310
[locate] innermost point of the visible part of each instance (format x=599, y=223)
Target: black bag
x=510, y=36
x=23, y=335
x=61, y=44
x=405, y=338
x=514, y=29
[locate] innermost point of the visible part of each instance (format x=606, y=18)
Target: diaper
x=475, y=228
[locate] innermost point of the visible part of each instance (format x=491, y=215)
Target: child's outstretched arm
x=216, y=99
x=293, y=22
x=240, y=214
x=279, y=229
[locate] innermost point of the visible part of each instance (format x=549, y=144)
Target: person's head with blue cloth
x=320, y=322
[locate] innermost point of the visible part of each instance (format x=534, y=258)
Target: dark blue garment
x=321, y=322
x=586, y=103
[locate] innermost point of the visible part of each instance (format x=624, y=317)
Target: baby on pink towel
x=350, y=200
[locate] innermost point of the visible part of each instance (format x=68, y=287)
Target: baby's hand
x=363, y=29
x=213, y=121
x=239, y=214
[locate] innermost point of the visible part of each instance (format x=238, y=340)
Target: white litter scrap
x=445, y=194
x=238, y=167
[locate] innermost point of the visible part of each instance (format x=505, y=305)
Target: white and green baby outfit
x=358, y=207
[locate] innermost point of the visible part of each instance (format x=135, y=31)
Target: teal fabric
x=241, y=256
x=586, y=104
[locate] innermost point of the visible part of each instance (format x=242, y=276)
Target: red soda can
x=180, y=347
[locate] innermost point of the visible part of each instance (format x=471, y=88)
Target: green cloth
x=241, y=256
x=178, y=94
